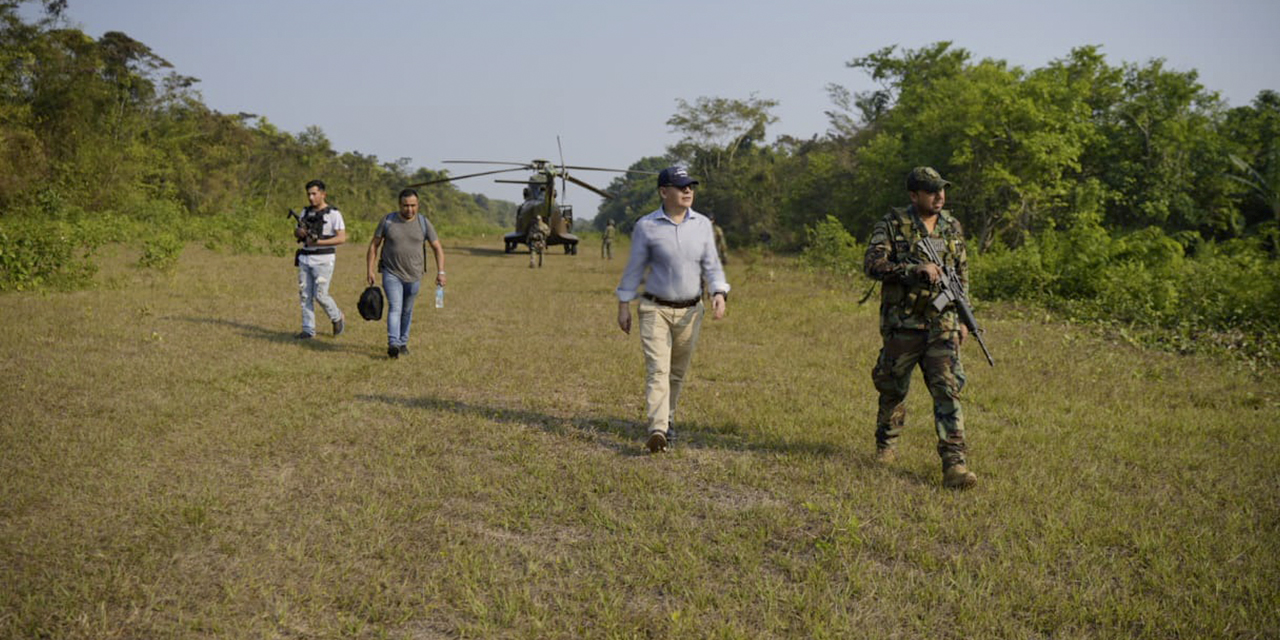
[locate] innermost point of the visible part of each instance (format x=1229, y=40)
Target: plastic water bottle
x=439, y=296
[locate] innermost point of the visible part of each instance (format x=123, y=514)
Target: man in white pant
x=673, y=251
x=320, y=230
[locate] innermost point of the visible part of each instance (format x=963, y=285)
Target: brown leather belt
x=675, y=304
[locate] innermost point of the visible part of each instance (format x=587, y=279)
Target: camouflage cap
x=926, y=179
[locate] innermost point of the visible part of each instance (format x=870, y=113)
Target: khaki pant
x=667, y=337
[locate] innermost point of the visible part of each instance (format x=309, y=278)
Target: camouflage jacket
x=894, y=258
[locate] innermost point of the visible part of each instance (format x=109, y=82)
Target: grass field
x=176, y=465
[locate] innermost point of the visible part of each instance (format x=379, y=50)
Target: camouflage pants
x=536, y=250
x=937, y=355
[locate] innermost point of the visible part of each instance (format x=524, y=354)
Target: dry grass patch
x=176, y=465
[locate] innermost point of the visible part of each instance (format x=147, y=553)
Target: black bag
x=370, y=304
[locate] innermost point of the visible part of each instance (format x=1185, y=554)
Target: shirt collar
x=689, y=214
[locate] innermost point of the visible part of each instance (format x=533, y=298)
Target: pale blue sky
x=499, y=79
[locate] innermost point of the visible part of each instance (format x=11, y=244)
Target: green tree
x=722, y=142
x=635, y=194
x=1256, y=129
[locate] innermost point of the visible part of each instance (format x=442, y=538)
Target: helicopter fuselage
x=538, y=202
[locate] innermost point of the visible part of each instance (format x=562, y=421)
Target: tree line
x=1128, y=193
x=1124, y=193
x=1126, y=146
x=97, y=134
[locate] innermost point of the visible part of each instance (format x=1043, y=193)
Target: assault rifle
x=312, y=221
x=953, y=291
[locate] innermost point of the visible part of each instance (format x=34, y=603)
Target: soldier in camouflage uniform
x=914, y=332
x=722, y=247
x=606, y=245
x=537, y=239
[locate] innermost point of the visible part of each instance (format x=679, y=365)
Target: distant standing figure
x=722, y=247
x=403, y=237
x=537, y=240
x=915, y=333
x=672, y=252
x=316, y=259
x=606, y=246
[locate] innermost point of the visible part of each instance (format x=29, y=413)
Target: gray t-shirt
x=403, y=253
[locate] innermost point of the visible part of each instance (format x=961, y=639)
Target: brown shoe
x=958, y=477
x=657, y=442
x=886, y=455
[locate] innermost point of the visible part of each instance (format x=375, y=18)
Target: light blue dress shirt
x=677, y=257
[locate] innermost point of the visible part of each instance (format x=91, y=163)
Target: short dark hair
x=405, y=193
x=319, y=184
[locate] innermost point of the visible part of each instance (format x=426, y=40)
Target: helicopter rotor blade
x=604, y=194
x=648, y=173
x=514, y=164
x=469, y=175
x=564, y=188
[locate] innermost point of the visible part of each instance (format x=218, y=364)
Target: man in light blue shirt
x=673, y=251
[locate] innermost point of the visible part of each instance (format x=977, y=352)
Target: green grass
x=175, y=465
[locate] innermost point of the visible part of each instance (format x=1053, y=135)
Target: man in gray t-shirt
x=403, y=238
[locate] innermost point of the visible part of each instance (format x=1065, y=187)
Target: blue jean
x=400, y=298
x=313, y=287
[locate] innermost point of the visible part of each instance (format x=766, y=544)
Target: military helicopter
x=539, y=198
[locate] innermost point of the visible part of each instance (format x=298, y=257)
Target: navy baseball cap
x=676, y=176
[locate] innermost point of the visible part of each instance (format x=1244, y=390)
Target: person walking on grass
x=722, y=247
x=673, y=251
x=537, y=239
x=316, y=258
x=606, y=244
x=403, y=237
x=914, y=331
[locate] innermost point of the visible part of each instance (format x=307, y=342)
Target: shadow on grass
x=613, y=432
x=318, y=343
x=916, y=476
x=483, y=251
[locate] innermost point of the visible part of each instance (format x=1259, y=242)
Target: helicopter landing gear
x=571, y=249
x=509, y=247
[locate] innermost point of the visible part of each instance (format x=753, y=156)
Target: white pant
x=313, y=287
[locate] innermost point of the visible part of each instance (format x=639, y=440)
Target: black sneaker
x=303, y=336
x=338, y=327
x=393, y=352
x=404, y=349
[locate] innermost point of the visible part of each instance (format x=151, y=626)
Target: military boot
x=958, y=477
x=886, y=455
